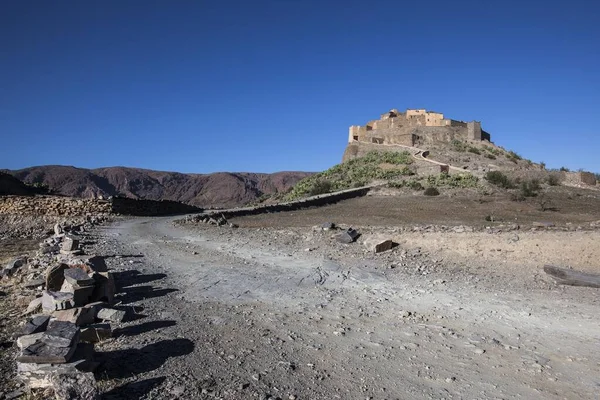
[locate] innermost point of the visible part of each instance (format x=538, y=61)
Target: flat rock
x=35, y=305
x=378, y=244
x=543, y=224
x=42, y=353
x=34, y=283
x=52, y=301
x=81, y=294
x=27, y=340
x=61, y=334
x=110, y=314
x=327, y=226
x=36, y=324
x=78, y=276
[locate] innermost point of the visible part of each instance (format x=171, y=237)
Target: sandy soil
x=290, y=313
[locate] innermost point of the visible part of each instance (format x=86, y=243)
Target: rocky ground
x=278, y=308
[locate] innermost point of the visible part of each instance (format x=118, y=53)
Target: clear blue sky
x=269, y=85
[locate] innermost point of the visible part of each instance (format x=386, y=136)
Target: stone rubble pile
x=71, y=297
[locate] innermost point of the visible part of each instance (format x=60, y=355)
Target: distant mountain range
x=221, y=189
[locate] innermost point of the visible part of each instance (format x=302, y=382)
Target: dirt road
x=292, y=314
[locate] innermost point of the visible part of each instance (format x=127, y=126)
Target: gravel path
x=265, y=313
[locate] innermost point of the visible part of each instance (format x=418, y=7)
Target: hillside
x=9, y=185
x=221, y=189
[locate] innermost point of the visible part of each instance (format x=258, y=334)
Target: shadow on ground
x=134, y=390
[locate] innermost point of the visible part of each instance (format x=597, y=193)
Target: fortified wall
x=414, y=128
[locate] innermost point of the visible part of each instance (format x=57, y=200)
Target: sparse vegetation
x=529, y=188
x=492, y=150
x=410, y=183
x=462, y=180
x=474, y=150
x=458, y=145
x=542, y=165
x=499, y=179
x=355, y=173
x=431, y=191
x=514, y=157
x=553, y=179
x=490, y=156
x=565, y=169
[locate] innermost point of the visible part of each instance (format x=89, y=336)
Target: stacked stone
x=57, y=342
x=53, y=206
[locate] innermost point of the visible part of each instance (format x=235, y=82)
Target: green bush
x=529, y=188
x=458, y=145
x=564, y=169
x=490, y=156
x=514, y=156
x=431, y=191
x=320, y=187
x=411, y=184
x=499, y=179
x=474, y=150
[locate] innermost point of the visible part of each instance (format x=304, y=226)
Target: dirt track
x=255, y=312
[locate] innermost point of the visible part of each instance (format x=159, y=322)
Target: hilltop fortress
x=411, y=128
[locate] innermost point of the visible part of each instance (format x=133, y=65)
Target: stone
x=78, y=315
x=36, y=324
x=95, y=333
x=38, y=375
x=14, y=266
x=95, y=307
x=543, y=224
x=58, y=230
x=43, y=353
x=69, y=244
x=327, y=226
x=347, y=236
x=74, y=386
x=55, y=276
x=378, y=244
x=52, y=301
x=27, y=340
x=61, y=334
x=78, y=276
x=105, y=288
x=81, y=294
x=34, y=283
x=34, y=306
x=110, y=314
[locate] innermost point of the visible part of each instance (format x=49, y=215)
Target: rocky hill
x=221, y=189
x=9, y=185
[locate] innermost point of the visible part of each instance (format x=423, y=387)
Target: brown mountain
x=222, y=189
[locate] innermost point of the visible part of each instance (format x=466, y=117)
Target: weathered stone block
x=34, y=306
x=52, y=301
x=69, y=244
x=36, y=324
x=77, y=276
x=378, y=244
x=110, y=314
x=43, y=353
x=348, y=236
x=61, y=334
x=327, y=226
x=81, y=295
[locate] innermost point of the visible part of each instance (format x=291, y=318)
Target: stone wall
x=52, y=206
x=71, y=207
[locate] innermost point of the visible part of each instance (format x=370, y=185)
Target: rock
x=61, y=334
x=42, y=353
x=77, y=276
x=55, y=276
x=81, y=294
x=14, y=266
x=110, y=314
x=74, y=386
x=36, y=324
x=14, y=395
x=95, y=333
x=38, y=375
x=328, y=226
x=378, y=244
x=543, y=224
x=34, y=306
x=95, y=307
x=92, y=264
x=69, y=244
x=78, y=315
x=27, y=340
x=52, y=301
x=348, y=236
x=58, y=230
x=105, y=289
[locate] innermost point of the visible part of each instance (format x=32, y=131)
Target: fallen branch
x=564, y=276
